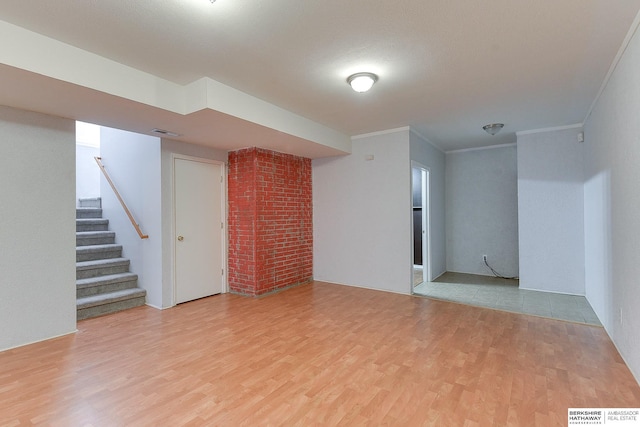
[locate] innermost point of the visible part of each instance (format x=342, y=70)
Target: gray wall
x=362, y=212
x=612, y=206
x=37, y=225
x=551, y=211
x=362, y=215
x=429, y=156
x=482, y=210
x=133, y=162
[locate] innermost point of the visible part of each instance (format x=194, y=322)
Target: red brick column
x=270, y=221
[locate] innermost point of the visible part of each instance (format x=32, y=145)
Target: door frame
x=426, y=221
x=223, y=212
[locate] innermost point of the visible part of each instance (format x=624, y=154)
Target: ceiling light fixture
x=362, y=82
x=493, y=128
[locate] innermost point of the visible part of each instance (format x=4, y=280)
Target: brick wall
x=270, y=221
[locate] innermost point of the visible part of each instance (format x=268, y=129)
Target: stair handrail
x=124, y=205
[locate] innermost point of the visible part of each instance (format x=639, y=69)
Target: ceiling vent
x=164, y=132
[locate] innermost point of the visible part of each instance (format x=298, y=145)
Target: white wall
x=612, y=206
x=167, y=148
x=87, y=172
x=551, y=211
x=362, y=215
x=431, y=157
x=37, y=225
x=133, y=162
x=482, y=210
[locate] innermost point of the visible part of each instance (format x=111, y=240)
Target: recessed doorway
x=421, y=247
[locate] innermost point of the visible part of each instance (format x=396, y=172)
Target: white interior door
x=198, y=198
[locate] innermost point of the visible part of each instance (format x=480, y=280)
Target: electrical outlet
x=484, y=258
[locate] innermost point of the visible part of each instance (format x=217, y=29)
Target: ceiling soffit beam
x=39, y=54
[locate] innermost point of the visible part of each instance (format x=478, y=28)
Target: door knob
x=180, y=238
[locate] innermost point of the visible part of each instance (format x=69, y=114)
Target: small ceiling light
x=493, y=128
x=362, y=82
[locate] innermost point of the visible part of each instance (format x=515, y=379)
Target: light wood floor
x=318, y=354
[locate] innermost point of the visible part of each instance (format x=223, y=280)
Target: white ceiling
x=446, y=67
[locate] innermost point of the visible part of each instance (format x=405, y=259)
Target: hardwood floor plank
x=318, y=354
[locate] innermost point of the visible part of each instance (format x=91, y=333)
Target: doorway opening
x=87, y=172
x=421, y=248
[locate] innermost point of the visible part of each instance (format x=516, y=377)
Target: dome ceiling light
x=493, y=128
x=362, y=82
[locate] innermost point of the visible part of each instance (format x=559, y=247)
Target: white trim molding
x=488, y=147
x=381, y=132
x=424, y=138
x=551, y=129
x=614, y=63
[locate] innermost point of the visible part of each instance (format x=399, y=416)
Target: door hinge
x=223, y=271
x=222, y=225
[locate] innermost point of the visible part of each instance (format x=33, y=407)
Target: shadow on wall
x=598, y=245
